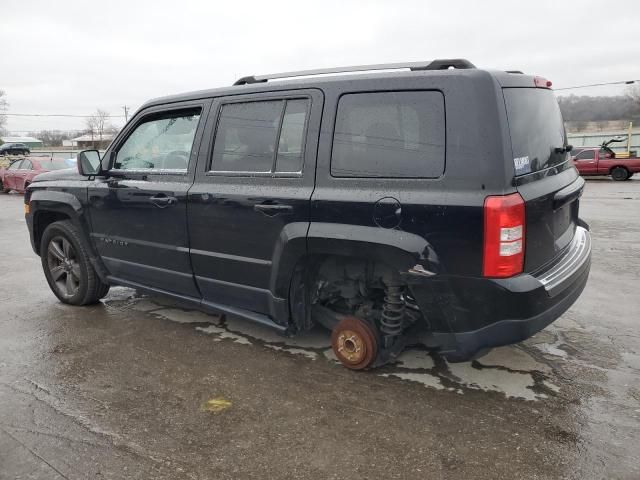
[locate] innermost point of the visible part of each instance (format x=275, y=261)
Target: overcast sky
x=75, y=56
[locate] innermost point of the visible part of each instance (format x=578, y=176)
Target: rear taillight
x=503, y=236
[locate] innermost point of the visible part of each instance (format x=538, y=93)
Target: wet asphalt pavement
x=137, y=387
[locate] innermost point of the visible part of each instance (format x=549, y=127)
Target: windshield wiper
x=564, y=149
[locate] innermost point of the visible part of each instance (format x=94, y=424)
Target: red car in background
x=21, y=172
x=601, y=161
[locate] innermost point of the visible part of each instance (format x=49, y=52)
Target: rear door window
x=261, y=137
x=291, y=142
x=536, y=127
x=389, y=135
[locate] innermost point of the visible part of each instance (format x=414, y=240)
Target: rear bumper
x=478, y=314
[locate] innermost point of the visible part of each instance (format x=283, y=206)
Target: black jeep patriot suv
x=434, y=204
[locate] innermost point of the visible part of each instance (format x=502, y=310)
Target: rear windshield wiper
x=564, y=149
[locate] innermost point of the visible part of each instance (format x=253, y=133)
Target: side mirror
x=89, y=163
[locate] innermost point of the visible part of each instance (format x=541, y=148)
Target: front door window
x=160, y=143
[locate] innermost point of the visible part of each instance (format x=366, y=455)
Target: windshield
x=536, y=127
x=55, y=164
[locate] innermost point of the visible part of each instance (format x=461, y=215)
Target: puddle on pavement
x=512, y=371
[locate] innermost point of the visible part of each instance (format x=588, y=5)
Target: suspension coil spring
x=392, y=311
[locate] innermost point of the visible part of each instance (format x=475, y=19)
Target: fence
x=595, y=139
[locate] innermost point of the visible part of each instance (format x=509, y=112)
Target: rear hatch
x=548, y=184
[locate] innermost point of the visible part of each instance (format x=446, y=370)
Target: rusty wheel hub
x=354, y=343
x=351, y=346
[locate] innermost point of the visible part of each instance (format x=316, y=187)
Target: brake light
x=540, y=82
x=504, y=223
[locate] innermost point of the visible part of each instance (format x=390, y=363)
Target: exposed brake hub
x=354, y=343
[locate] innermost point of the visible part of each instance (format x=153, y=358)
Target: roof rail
x=440, y=64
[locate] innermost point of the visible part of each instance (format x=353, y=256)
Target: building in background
x=28, y=141
x=89, y=141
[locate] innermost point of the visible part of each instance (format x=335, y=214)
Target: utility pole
x=126, y=113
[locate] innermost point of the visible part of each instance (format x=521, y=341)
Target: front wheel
x=619, y=174
x=66, y=265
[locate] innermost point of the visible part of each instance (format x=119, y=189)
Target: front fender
x=64, y=205
x=56, y=201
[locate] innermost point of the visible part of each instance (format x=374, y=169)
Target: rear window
x=536, y=127
x=389, y=134
x=586, y=155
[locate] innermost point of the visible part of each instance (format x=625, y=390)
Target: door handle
x=162, y=201
x=271, y=210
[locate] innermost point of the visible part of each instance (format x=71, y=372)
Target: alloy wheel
x=64, y=267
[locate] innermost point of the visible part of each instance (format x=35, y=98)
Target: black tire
x=103, y=291
x=66, y=265
x=619, y=174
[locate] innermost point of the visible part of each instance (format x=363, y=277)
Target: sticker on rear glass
x=522, y=165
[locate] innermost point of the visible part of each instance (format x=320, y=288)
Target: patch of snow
x=294, y=351
x=426, y=379
x=551, y=350
x=222, y=333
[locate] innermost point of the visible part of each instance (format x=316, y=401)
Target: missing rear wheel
x=354, y=343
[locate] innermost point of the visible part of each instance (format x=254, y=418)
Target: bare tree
x=111, y=129
x=98, y=124
x=3, y=107
x=51, y=138
x=580, y=125
x=102, y=118
x=593, y=109
x=633, y=92
x=92, y=128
